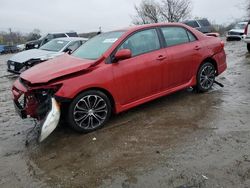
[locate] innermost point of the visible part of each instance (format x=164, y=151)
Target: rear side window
x=191, y=36
x=193, y=24
x=142, y=42
x=175, y=35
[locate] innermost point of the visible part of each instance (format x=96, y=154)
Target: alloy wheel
x=207, y=77
x=90, y=112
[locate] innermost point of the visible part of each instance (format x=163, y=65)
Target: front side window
x=95, y=47
x=142, y=42
x=175, y=35
x=55, y=45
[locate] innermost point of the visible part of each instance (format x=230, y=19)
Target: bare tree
x=147, y=12
x=152, y=11
x=175, y=10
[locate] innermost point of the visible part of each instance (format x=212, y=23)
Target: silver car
x=26, y=59
x=237, y=32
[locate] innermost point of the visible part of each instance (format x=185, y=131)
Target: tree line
x=16, y=37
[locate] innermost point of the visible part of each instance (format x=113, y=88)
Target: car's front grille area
x=14, y=66
x=234, y=33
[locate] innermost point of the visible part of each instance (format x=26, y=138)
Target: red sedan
x=116, y=71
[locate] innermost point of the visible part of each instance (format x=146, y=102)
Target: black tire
x=205, y=77
x=248, y=47
x=89, y=111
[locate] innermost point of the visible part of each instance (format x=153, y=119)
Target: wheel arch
x=105, y=91
x=211, y=60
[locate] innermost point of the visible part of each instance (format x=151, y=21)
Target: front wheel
x=89, y=111
x=248, y=47
x=206, y=77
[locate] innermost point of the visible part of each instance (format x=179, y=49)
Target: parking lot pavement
x=182, y=140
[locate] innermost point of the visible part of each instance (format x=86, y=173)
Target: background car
x=5, y=49
x=1, y=49
x=247, y=36
x=26, y=59
x=43, y=40
x=237, y=33
x=202, y=25
x=21, y=47
x=118, y=70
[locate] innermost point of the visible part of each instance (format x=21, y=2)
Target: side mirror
x=123, y=54
x=68, y=50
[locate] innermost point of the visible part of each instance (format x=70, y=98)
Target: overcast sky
x=88, y=15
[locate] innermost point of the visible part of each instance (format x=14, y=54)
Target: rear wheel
x=248, y=47
x=89, y=111
x=205, y=77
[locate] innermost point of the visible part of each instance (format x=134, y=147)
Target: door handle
x=197, y=47
x=161, y=57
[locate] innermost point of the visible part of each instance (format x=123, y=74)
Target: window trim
x=110, y=59
x=187, y=30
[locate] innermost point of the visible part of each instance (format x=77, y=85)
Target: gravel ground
x=183, y=140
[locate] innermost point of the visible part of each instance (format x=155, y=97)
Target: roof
x=69, y=39
x=137, y=27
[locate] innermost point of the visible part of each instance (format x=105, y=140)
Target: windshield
x=96, y=46
x=240, y=26
x=54, y=45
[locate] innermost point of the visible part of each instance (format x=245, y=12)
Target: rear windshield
x=204, y=23
x=193, y=24
x=95, y=47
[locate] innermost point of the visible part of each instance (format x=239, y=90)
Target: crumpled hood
x=57, y=67
x=237, y=30
x=27, y=55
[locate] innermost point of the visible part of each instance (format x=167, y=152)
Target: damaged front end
x=38, y=103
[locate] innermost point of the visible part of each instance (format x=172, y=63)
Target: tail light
x=222, y=43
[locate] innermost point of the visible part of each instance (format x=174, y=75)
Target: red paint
x=131, y=81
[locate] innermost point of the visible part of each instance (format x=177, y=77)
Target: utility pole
x=100, y=31
x=11, y=40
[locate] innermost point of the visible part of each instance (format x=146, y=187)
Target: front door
x=141, y=75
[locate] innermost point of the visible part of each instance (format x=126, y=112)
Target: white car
x=237, y=32
x=247, y=36
x=26, y=59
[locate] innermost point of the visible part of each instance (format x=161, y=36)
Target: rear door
x=141, y=75
x=183, y=52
